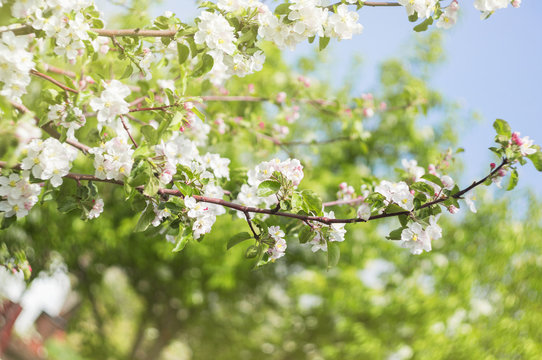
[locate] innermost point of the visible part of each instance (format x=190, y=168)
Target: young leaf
x=434, y=179
x=395, y=234
x=502, y=127
x=181, y=243
x=239, y=238
x=206, y=65
x=306, y=235
x=333, y=254
x=536, y=159
x=323, y=42
x=145, y=219
x=183, y=51
x=423, y=25
x=513, y=180
x=312, y=200
x=268, y=187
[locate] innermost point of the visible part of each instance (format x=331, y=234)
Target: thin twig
x=127, y=130
x=53, y=81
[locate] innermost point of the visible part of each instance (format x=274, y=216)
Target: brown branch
x=247, y=216
x=305, y=218
x=127, y=131
x=135, y=32
x=59, y=71
x=53, y=81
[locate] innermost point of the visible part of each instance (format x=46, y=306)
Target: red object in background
x=9, y=312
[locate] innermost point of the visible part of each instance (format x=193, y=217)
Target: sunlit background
x=476, y=296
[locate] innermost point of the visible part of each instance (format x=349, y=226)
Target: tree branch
x=305, y=218
x=53, y=81
x=127, y=131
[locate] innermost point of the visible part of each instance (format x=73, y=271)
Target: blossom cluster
x=334, y=232
x=203, y=214
x=279, y=244
x=67, y=116
x=15, y=65
x=17, y=194
x=489, y=6
x=113, y=159
x=417, y=239
x=111, y=103
x=65, y=21
x=290, y=170
x=449, y=16
x=49, y=160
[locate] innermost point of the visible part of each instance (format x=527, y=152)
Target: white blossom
x=111, y=102
x=17, y=194
x=96, y=210
x=113, y=160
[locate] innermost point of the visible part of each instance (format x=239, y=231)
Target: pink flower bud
x=261, y=124
x=367, y=96
x=492, y=165
x=188, y=106
x=452, y=209
x=181, y=129
x=516, y=3
x=383, y=106
x=281, y=97
x=251, y=88
x=368, y=112
x=501, y=173
x=342, y=186
x=223, y=91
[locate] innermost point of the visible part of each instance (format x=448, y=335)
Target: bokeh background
x=111, y=294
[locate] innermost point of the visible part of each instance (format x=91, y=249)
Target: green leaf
x=238, y=238
x=434, y=179
x=536, y=159
x=333, y=254
x=306, y=235
x=313, y=201
x=149, y=133
x=145, y=219
x=252, y=252
x=8, y=221
x=152, y=187
x=185, y=189
x=206, y=65
x=423, y=25
x=323, y=42
x=196, y=111
x=181, y=243
x=502, y=128
x=513, y=180
x=268, y=187
x=67, y=204
x=127, y=72
x=395, y=234
x=413, y=17
x=183, y=52
x=282, y=9
x=403, y=219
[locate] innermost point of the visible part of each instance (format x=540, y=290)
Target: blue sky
x=492, y=67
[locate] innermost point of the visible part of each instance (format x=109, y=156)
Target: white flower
x=215, y=32
x=15, y=65
x=113, y=160
x=398, y=193
x=488, y=6
x=343, y=23
x=337, y=231
x=19, y=195
x=345, y=192
x=448, y=182
x=278, y=250
x=364, y=211
x=111, y=102
x=49, y=160
x=449, y=16
x=96, y=210
x=318, y=243
x=414, y=171
x=469, y=199
x=415, y=239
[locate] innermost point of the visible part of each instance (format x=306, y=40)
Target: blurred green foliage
x=475, y=296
